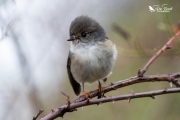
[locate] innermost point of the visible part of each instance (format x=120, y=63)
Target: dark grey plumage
x=85, y=24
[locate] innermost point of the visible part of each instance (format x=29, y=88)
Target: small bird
x=91, y=56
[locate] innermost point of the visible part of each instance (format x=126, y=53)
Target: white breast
x=92, y=62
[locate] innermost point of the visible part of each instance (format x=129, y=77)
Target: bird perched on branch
x=91, y=56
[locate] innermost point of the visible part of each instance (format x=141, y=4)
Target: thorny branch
x=131, y=81
x=140, y=78
x=63, y=109
x=82, y=100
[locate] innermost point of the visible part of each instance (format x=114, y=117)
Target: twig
x=39, y=112
x=62, y=110
x=164, y=48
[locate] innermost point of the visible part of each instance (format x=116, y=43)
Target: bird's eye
x=83, y=34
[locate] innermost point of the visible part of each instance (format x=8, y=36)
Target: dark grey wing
x=75, y=85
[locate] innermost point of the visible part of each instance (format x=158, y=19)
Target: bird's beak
x=72, y=37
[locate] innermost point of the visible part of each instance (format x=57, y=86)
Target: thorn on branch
x=62, y=111
x=52, y=110
x=174, y=81
x=153, y=97
x=132, y=92
x=99, y=104
x=129, y=100
x=67, y=99
x=165, y=90
x=112, y=86
x=170, y=83
x=168, y=47
x=112, y=83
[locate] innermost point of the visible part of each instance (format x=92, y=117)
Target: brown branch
x=133, y=80
x=38, y=114
x=164, y=48
x=62, y=110
x=122, y=83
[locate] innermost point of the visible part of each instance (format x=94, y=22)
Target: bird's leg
x=83, y=86
x=100, y=91
x=88, y=96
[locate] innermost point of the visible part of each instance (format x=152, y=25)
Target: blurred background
x=33, y=54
